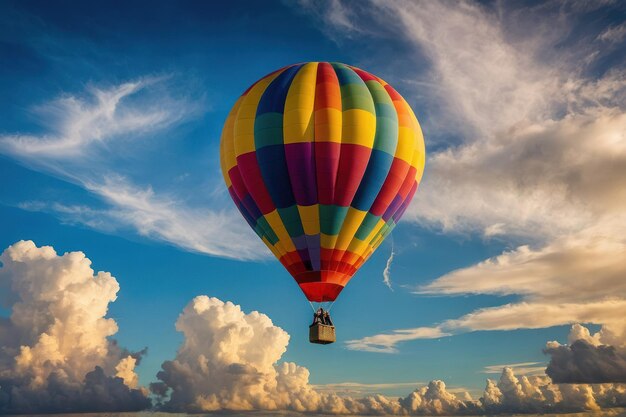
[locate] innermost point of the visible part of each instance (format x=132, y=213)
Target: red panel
x=321, y=291
x=238, y=185
x=251, y=175
x=326, y=166
x=393, y=182
x=393, y=93
x=408, y=183
x=365, y=76
x=327, y=92
x=352, y=165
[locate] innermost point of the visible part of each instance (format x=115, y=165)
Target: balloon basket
x=322, y=334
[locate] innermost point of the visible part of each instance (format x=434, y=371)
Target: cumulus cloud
x=56, y=355
x=230, y=360
x=588, y=358
x=77, y=145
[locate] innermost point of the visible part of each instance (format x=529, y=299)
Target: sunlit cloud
x=57, y=355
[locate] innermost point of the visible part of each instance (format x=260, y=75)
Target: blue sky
x=109, y=136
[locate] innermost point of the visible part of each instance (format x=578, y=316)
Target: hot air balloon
x=322, y=159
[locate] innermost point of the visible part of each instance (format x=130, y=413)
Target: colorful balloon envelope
x=322, y=159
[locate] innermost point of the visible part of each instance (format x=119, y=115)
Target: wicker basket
x=322, y=334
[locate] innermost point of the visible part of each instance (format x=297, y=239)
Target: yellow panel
x=276, y=223
x=298, y=117
x=419, y=157
x=310, y=217
x=328, y=241
x=406, y=144
x=359, y=127
x=351, y=224
x=328, y=125
x=244, y=121
x=227, y=144
x=358, y=246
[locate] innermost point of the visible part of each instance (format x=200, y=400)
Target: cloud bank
x=230, y=360
x=588, y=358
x=55, y=351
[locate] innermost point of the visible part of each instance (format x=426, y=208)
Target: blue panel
x=275, y=95
x=275, y=174
x=373, y=180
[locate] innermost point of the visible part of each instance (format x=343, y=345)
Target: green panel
x=369, y=222
x=268, y=130
x=331, y=218
x=263, y=228
x=356, y=96
x=386, y=138
x=291, y=219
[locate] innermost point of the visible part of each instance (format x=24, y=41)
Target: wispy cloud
x=85, y=134
x=520, y=369
x=359, y=388
x=387, y=270
x=613, y=34
x=76, y=123
x=514, y=316
x=386, y=343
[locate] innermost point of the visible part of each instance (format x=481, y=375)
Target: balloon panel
x=322, y=159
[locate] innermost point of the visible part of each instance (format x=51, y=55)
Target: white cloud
x=386, y=342
x=520, y=369
x=78, y=123
x=55, y=353
x=220, y=233
x=359, y=388
x=78, y=147
x=387, y=270
x=586, y=266
x=613, y=34
x=514, y=316
x=486, y=84
x=534, y=182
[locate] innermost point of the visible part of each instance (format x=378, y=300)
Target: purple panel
x=304, y=255
x=299, y=242
x=395, y=204
x=398, y=214
x=301, y=166
x=313, y=243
